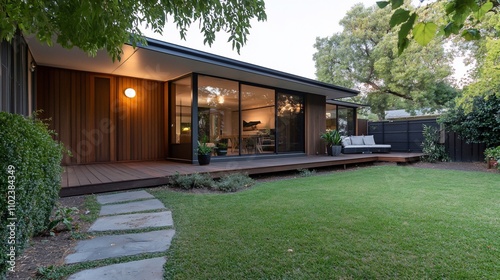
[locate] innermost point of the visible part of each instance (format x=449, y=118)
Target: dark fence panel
x=406, y=136
x=403, y=136
x=459, y=150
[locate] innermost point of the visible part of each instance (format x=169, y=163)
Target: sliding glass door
x=290, y=123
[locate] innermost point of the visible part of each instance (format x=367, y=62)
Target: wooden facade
x=315, y=123
x=97, y=122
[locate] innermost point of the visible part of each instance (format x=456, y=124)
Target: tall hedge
x=30, y=180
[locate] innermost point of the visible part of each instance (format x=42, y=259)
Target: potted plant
x=221, y=149
x=204, y=152
x=333, y=142
x=492, y=156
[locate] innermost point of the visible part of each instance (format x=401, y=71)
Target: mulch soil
x=51, y=250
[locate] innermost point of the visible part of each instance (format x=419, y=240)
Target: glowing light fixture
x=130, y=92
x=221, y=99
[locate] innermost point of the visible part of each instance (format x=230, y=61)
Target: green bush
x=228, y=183
x=192, y=181
x=432, y=149
x=304, y=172
x=233, y=182
x=30, y=179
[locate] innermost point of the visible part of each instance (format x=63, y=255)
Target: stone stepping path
x=124, y=196
x=133, y=221
x=148, y=269
x=129, y=207
x=111, y=246
x=115, y=215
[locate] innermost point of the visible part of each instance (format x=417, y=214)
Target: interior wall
x=99, y=127
x=265, y=115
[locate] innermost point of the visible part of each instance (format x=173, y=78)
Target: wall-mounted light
x=33, y=66
x=130, y=92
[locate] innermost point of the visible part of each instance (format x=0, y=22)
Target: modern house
x=160, y=99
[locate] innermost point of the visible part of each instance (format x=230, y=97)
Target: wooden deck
x=98, y=178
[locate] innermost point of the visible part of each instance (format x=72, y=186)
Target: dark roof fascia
x=345, y=103
x=188, y=53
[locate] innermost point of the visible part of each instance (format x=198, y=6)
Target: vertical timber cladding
x=96, y=121
x=141, y=120
x=315, y=123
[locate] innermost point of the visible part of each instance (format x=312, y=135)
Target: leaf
x=451, y=28
x=399, y=16
x=486, y=7
x=471, y=34
x=402, y=45
x=382, y=4
x=424, y=32
x=403, y=41
x=397, y=3
x=450, y=7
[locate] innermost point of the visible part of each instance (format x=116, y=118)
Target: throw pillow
x=346, y=141
x=368, y=140
x=357, y=140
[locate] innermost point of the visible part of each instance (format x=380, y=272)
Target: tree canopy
x=92, y=25
x=462, y=17
x=364, y=55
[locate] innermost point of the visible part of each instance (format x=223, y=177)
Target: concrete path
x=117, y=213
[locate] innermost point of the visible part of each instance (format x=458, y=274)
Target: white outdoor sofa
x=363, y=144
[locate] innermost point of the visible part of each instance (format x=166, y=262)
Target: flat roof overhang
x=163, y=61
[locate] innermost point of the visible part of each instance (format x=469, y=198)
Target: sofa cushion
x=357, y=140
x=346, y=141
x=368, y=140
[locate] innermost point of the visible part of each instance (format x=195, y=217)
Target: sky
x=284, y=42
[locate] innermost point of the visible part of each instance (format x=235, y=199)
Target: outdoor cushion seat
x=363, y=144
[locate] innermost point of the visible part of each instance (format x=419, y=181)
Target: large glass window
x=241, y=119
x=290, y=123
x=181, y=91
x=346, y=121
x=257, y=120
x=331, y=117
x=218, y=107
x=341, y=118
x=180, y=134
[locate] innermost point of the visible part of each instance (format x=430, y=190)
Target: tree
x=99, y=24
x=488, y=76
x=481, y=124
x=462, y=18
x=363, y=55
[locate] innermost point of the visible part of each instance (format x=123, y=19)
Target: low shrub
x=306, y=172
x=234, y=182
x=228, y=183
x=30, y=179
x=192, y=181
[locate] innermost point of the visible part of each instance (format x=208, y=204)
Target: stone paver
x=119, y=245
x=112, y=246
x=123, y=196
x=129, y=207
x=148, y=269
x=133, y=221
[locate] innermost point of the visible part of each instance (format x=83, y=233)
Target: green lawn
x=372, y=223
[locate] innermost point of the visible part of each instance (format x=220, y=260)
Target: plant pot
x=333, y=150
x=336, y=150
x=221, y=152
x=204, y=159
x=491, y=163
x=329, y=150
